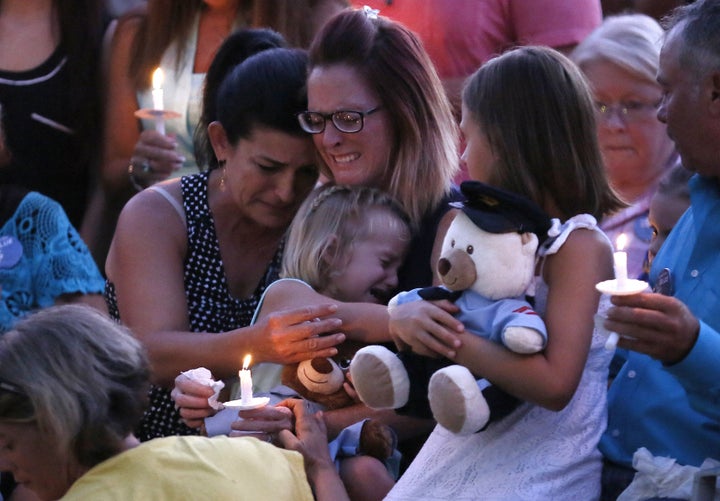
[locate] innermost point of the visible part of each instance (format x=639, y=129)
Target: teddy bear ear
x=529, y=243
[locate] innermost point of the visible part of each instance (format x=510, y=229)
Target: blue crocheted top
x=41, y=258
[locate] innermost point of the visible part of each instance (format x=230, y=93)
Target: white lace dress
x=532, y=454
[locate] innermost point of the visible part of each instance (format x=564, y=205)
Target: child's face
x=370, y=271
x=478, y=156
x=664, y=212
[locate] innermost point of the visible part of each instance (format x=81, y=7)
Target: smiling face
x=26, y=453
x=358, y=158
x=268, y=175
x=369, y=270
x=635, y=147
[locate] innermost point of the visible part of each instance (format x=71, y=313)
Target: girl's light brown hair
x=537, y=111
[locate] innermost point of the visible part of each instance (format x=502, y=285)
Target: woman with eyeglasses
x=192, y=256
x=379, y=117
x=620, y=60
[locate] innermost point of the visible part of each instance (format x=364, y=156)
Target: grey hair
x=629, y=41
x=325, y=226
x=698, y=24
x=81, y=378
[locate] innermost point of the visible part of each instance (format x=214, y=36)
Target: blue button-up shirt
x=674, y=410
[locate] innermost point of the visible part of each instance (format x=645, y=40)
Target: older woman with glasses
x=620, y=60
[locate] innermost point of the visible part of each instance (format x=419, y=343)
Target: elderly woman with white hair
x=620, y=59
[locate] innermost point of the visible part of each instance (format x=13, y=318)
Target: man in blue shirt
x=667, y=396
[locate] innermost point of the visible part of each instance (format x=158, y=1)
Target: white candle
x=246, y=392
x=620, y=262
x=158, y=99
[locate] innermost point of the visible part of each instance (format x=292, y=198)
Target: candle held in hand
x=246, y=392
x=158, y=99
x=620, y=262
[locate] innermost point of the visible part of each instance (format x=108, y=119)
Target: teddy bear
x=321, y=380
x=487, y=264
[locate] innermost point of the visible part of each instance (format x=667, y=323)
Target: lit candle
x=620, y=262
x=246, y=392
x=158, y=100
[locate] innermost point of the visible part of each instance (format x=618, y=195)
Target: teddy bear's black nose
x=443, y=266
x=322, y=365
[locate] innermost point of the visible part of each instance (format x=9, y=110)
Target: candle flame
x=246, y=361
x=158, y=78
x=621, y=241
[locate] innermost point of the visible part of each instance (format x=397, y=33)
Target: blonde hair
x=629, y=41
x=324, y=228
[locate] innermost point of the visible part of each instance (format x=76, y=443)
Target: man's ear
x=218, y=140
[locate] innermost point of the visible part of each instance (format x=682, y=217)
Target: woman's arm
x=364, y=322
x=124, y=140
x=360, y=321
x=145, y=264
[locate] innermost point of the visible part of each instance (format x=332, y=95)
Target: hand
x=350, y=389
x=656, y=325
x=427, y=327
x=191, y=398
x=291, y=336
x=155, y=157
x=310, y=438
x=263, y=423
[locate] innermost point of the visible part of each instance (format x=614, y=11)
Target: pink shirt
x=460, y=35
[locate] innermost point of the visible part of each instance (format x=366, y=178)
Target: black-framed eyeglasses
x=349, y=121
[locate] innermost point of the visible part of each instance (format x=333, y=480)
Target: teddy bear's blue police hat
x=499, y=211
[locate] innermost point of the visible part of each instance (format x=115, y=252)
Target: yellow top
x=189, y=468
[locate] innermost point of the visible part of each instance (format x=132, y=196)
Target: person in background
x=670, y=201
x=620, y=60
x=72, y=387
x=547, y=151
x=462, y=35
x=666, y=396
x=43, y=261
x=51, y=94
x=181, y=37
x=191, y=257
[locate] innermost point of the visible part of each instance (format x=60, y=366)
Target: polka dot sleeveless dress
x=211, y=307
